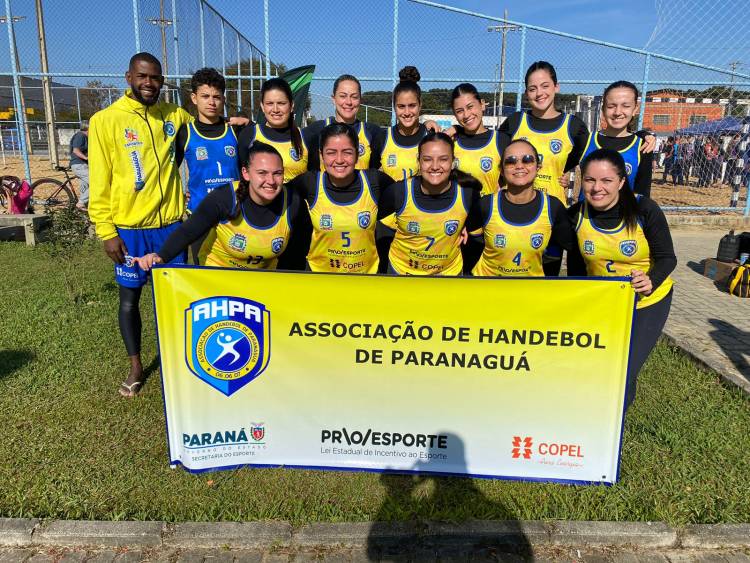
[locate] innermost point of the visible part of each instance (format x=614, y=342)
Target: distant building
x=669, y=110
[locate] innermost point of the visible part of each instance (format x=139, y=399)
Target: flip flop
x=131, y=390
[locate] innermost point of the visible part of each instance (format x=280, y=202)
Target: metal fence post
x=223, y=59
x=521, y=62
x=20, y=117
x=239, y=73
x=267, y=33
x=203, y=36
x=137, y=27
x=394, y=70
x=176, y=52
x=644, y=89
x=78, y=104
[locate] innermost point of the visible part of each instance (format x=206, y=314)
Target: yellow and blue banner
x=506, y=378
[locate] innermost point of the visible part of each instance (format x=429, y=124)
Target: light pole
x=734, y=65
x=504, y=29
x=49, y=110
x=163, y=23
x=21, y=101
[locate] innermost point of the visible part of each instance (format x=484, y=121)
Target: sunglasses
x=513, y=159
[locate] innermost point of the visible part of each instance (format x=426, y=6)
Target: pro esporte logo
x=227, y=341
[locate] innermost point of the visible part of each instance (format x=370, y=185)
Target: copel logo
x=522, y=447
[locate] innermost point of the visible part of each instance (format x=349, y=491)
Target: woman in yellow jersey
x=520, y=221
x=279, y=131
x=343, y=205
x=347, y=97
x=477, y=148
x=431, y=210
x=620, y=233
x=248, y=223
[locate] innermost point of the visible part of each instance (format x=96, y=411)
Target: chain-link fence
x=693, y=77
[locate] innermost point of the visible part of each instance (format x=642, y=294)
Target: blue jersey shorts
x=140, y=242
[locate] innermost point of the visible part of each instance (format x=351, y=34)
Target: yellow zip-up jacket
x=134, y=180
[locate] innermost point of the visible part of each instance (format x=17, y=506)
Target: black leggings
x=129, y=317
x=648, y=325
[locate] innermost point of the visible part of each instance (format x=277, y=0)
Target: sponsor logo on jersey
x=485, y=163
x=628, y=168
x=169, y=129
x=537, y=239
x=363, y=219
x=277, y=244
x=412, y=227
x=139, y=179
x=230, y=151
x=588, y=247
x=131, y=138
x=628, y=247
x=555, y=145
x=293, y=154
x=201, y=153
x=238, y=241
x=451, y=227
x=326, y=222
x=499, y=241
x=227, y=341
x=391, y=160
x=361, y=149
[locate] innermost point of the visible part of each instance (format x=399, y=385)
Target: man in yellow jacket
x=136, y=195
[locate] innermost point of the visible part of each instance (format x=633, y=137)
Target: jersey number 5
x=347, y=240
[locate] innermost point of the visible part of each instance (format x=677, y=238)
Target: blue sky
x=356, y=37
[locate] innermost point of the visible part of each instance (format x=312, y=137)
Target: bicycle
x=47, y=193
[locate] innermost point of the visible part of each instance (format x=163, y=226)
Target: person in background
x=79, y=163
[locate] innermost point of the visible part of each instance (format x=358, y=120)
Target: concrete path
x=708, y=323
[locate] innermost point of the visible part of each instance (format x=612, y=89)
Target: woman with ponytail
x=431, y=210
x=621, y=233
x=248, y=223
x=279, y=131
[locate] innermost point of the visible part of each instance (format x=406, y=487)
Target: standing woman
x=477, y=148
x=559, y=137
x=431, y=211
x=279, y=131
x=347, y=97
x=623, y=234
x=246, y=224
x=520, y=221
x=620, y=106
x=343, y=205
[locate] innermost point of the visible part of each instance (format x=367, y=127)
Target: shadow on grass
x=399, y=528
x=13, y=360
x=734, y=342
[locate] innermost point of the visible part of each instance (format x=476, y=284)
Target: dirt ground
x=664, y=194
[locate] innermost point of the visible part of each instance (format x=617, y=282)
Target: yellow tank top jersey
x=483, y=163
x=554, y=148
x=616, y=252
x=364, y=149
x=513, y=249
x=427, y=243
x=237, y=243
x=397, y=161
x=294, y=165
x=343, y=238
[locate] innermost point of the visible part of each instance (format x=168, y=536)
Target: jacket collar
x=130, y=103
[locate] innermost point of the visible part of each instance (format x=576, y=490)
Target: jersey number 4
x=517, y=259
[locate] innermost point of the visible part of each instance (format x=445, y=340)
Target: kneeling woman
x=519, y=220
x=343, y=204
x=431, y=212
x=623, y=234
x=248, y=223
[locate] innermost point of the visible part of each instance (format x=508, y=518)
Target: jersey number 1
x=219, y=165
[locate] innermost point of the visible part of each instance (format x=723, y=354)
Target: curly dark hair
x=209, y=77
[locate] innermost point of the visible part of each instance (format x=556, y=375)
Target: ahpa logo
x=451, y=227
x=361, y=149
x=555, y=145
x=230, y=151
x=628, y=168
x=363, y=219
x=293, y=154
x=277, y=245
x=537, y=239
x=227, y=341
x=522, y=447
x=628, y=247
x=169, y=129
x=485, y=164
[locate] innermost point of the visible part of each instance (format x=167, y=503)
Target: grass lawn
x=71, y=447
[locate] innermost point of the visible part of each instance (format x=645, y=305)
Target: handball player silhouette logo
x=628, y=247
x=227, y=341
